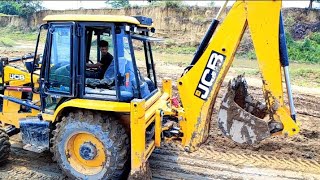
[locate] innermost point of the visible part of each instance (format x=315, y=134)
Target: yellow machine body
x=14, y=76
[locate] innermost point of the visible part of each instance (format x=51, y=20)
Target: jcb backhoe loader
x=98, y=130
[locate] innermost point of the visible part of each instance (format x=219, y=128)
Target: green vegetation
x=306, y=76
x=247, y=71
x=248, y=55
x=10, y=36
x=311, y=3
x=1, y=14
x=16, y=34
x=175, y=49
x=306, y=50
x=23, y=8
x=301, y=74
x=167, y=4
x=211, y=4
x=6, y=42
x=118, y=3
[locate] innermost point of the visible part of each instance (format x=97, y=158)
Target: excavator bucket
x=241, y=116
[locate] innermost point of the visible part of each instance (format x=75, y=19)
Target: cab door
x=58, y=75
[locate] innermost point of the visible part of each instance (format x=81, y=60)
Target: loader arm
x=199, y=86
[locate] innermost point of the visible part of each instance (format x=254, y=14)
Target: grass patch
x=301, y=74
x=250, y=55
x=175, y=49
x=181, y=60
x=306, y=76
x=2, y=14
x=16, y=34
x=6, y=42
x=301, y=51
x=247, y=71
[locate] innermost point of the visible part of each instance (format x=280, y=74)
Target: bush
x=167, y=4
x=23, y=8
x=307, y=50
x=173, y=4
x=118, y=3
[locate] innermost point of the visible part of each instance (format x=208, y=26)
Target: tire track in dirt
x=241, y=159
x=185, y=165
x=29, y=165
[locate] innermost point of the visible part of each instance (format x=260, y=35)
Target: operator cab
x=73, y=43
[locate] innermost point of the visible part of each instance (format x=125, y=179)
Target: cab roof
x=92, y=18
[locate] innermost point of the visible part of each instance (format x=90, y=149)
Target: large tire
x=4, y=146
x=102, y=155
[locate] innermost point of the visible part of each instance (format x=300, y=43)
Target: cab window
x=60, y=59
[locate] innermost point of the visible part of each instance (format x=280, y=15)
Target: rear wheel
x=4, y=146
x=89, y=145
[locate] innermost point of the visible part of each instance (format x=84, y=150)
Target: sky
x=62, y=5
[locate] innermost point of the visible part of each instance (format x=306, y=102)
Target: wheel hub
x=88, y=151
x=85, y=153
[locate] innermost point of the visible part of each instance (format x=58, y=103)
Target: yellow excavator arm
x=85, y=141
x=200, y=84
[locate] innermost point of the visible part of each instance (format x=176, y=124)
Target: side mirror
x=33, y=65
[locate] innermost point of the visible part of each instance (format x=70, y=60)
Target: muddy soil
x=300, y=153
x=305, y=145
x=295, y=157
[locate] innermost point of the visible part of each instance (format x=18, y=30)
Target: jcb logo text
x=209, y=75
x=16, y=76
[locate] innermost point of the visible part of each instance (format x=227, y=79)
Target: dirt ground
x=295, y=157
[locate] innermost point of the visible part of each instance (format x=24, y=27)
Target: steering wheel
x=91, y=62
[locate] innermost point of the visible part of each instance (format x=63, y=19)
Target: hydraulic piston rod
x=285, y=64
x=204, y=43
x=19, y=101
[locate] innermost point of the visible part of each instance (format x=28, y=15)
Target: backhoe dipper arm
x=198, y=88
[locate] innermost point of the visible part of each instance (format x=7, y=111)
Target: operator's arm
x=97, y=65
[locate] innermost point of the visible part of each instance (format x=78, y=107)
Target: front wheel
x=90, y=145
x=4, y=146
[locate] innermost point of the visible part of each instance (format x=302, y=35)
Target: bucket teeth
x=240, y=116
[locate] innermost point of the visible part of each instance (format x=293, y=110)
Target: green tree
x=24, y=8
x=211, y=4
x=311, y=3
x=173, y=4
x=118, y=3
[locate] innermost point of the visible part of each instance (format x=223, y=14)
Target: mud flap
x=240, y=116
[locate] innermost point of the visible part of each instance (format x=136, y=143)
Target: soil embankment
x=182, y=25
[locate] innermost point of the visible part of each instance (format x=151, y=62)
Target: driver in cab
x=102, y=66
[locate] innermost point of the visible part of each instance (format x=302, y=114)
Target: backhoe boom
x=198, y=88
